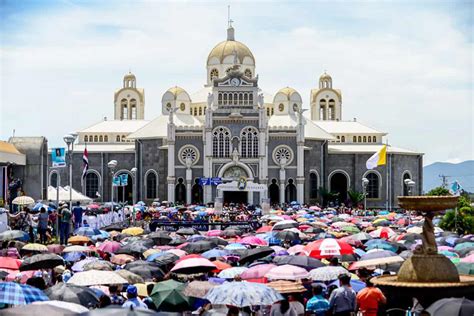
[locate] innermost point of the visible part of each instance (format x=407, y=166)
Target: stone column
x=171, y=156
x=207, y=156
x=189, y=178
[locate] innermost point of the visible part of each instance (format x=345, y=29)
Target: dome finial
x=230, y=29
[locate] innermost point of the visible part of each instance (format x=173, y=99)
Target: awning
x=10, y=155
x=64, y=195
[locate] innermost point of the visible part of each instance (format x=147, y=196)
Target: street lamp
x=134, y=176
x=410, y=185
x=69, y=139
x=365, y=183
x=111, y=165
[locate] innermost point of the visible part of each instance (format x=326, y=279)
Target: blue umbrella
x=384, y=213
x=72, y=256
x=38, y=206
x=195, y=238
x=378, y=254
x=79, y=266
x=295, y=203
x=202, y=213
x=87, y=231
x=215, y=253
x=141, y=203
x=235, y=246
x=155, y=255
x=357, y=285
x=20, y=294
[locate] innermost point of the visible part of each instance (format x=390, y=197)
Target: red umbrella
x=383, y=232
x=93, y=206
x=328, y=247
x=304, y=227
x=110, y=246
x=9, y=263
x=253, y=241
x=264, y=229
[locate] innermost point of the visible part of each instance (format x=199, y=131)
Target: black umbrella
x=231, y=232
x=177, y=241
x=313, y=230
x=41, y=261
x=136, y=247
x=73, y=294
x=256, y=253
x=3, y=274
x=411, y=237
x=165, y=259
x=300, y=261
x=119, y=311
x=287, y=235
x=187, y=231
x=199, y=246
x=116, y=227
x=160, y=238
x=147, y=270
x=218, y=241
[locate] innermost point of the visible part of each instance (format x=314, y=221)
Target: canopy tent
x=10, y=155
x=64, y=195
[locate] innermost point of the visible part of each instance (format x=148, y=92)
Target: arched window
x=221, y=142
x=281, y=107
x=332, y=107
x=354, y=139
x=124, y=109
x=101, y=139
x=365, y=139
x=369, y=139
x=123, y=139
x=196, y=192
x=373, y=186
x=180, y=192
x=96, y=139
x=214, y=74
x=200, y=110
x=359, y=139
x=53, y=179
x=92, y=185
x=106, y=138
x=272, y=112
x=406, y=176
x=290, y=192
x=313, y=186
x=322, y=109
x=117, y=138
x=133, y=109
x=151, y=181
x=274, y=192
x=195, y=111
x=343, y=139
x=248, y=73
x=249, y=142
x=268, y=111
x=168, y=107
x=86, y=139
x=374, y=139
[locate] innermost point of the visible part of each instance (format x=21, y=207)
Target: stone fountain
x=426, y=275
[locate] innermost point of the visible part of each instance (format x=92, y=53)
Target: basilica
x=233, y=142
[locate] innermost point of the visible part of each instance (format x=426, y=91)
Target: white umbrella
x=23, y=200
x=328, y=273
x=242, y=294
x=69, y=307
x=96, y=277
x=77, y=249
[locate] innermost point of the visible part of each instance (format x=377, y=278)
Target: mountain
x=463, y=172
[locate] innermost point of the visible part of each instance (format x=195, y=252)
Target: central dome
x=230, y=48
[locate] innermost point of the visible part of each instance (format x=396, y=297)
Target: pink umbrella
x=182, y=245
x=214, y=233
x=445, y=248
x=253, y=241
x=180, y=253
x=55, y=248
x=469, y=259
x=287, y=272
x=286, y=217
x=193, y=265
x=93, y=206
x=24, y=275
x=315, y=208
x=109, y=246
x=164, y=247
x=257, y=272
x=277, y=248
x=296, y=249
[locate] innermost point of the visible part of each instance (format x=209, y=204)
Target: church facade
x=232, y=142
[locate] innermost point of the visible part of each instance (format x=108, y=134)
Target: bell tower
x=325, y=101
x=129, y=101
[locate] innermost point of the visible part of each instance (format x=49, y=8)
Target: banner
x=116, y=181
x=58, y=157
x=124, y=179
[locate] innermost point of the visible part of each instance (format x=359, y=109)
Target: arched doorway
x=180, y=192
x=235, y=173
x=92, y=185
x=125, y=193
x=196, y=193
x=406, y=176
x=274, y=192
x=339, y=184
x=290, y=191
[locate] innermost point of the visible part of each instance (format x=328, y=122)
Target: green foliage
x=438, y=191
x=328, y=196
x=462, y=224
x=355, y=197
x=464, y=201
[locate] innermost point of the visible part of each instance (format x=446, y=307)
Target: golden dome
x=176, y=90
x=325, y=76
x=287, y=91
x=227, y=48
x=129, y=76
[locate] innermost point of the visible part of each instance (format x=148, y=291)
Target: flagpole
x=387, y=189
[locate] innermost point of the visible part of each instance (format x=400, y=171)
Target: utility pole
x=444, y=181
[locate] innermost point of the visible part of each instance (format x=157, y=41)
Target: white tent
x=64, y=195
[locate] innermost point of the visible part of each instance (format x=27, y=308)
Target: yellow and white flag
x=377, y=159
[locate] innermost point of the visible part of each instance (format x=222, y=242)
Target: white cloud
x=404, y=70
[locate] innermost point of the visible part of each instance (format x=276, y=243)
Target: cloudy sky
x=403, y=68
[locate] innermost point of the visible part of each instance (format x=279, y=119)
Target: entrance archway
x=274, y=192
x=125, y=193
x=290, y=192
x=196, y=193
x=180, y=192
x=339, y=183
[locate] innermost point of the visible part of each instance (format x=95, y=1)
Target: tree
x=438, y=191
x=328, y=196
x=463, y=221
x=355, y=197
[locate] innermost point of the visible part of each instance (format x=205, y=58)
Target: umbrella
x=78, y=240
x=187, y=231
x=296, y=249
x=193, y=265
x=468, y=259
x=231, y=232
x=109, y=246
x=285, y=224
x=55, y=248
x=218, y=241
x=96, y=277
x=299, y=261
x=9, y=263
x=35, y=247
x=164, y=259
x=214, y=233
x=377, y=254
x=73, y=294
x=383, y=232
x=215, y=253
x=23, y=200
x=328, y=273
x=463, y=245
x=14, y=235
x=253, y=241
x=122, y=259
x=360, y=236
x=465, y=268
x=221, y=265
x=257, y=271
x=195, y=238
x=198, y=289
x=134, y=231
x=168, y=296
x=50, y=308
x=231, y=272
x=327, y=248
x=235, y=246
x=241, y=294
x=285, y=287
x=199, y=246
x=380, y=244
x=287, y=272
x=80, y=265
x=119, y=311
x=77, y=248
x=41, y=261
x=147, y=270
x=87, y=231
x=131, y=277
x=20, y=294
x=160, y=237
x=286, y=235
x=98, y=265
x=264, y=229
x=356, y=285
x=376, y=262
x=256, y=253
x=452, y=306
x=136, y=247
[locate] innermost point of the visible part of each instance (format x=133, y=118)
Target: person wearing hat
x=64, y=223
x=132, y=299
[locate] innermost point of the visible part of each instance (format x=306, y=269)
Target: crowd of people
x=293, y=260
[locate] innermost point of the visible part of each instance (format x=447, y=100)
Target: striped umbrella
x=241, y=294
x=23, y=200
x=20, y=294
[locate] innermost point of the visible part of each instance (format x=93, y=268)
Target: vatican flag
x=377, y=159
